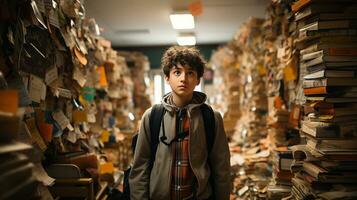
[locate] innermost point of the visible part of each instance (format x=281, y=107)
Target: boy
x=181, y=169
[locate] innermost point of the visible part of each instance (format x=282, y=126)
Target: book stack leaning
x=326, y=166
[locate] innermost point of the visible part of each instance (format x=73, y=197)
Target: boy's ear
x=166, y=78
x=198, y=81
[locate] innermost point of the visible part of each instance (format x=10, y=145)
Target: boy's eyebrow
x=176, y=67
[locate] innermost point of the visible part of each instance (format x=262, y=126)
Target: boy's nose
x=183, y=76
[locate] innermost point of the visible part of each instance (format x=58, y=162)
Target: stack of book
x=281, y=185
x=283, y=112
x=328, y=49
x=251, y=126
x=243, y=81
x=16, y=178
x=253, y=99
x=226, y=79
x=278, y=122
x=280, y=137
x=139, y=67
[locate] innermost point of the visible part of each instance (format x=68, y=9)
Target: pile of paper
x=75, y=89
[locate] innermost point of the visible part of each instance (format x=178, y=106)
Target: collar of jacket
x=198, y=99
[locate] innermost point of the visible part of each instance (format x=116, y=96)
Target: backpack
x=156, y=115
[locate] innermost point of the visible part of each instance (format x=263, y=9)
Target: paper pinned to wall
x=61, y=92
x=37, y=89
x=72, y=137
x=51, y=75
x=104, y=136
x=37, y=14
x=61, y=119
x=79, y=77
x=80, y=56
x=79, y=116
x=36, y=137
x=102, y=76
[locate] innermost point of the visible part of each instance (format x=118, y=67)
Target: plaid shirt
x=183, y=178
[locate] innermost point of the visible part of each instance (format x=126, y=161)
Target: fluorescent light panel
x=182, y=21
x=157, y=88
x=186, y=40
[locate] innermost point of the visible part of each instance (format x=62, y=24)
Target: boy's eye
x=177, y=72
x=191, y=73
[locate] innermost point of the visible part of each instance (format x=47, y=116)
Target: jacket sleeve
x=139, y=178
x=220, y=162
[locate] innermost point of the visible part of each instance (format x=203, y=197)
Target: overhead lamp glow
x=186, y=40
x=182, y=21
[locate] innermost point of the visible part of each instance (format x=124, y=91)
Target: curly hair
x=186, y=56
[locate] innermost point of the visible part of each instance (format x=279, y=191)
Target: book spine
x=310, y=49
x=310, y=27
x=315, y=90
x=299, y=5
x=302, y=14
x=312, y=169
x=337, y=24
x=311, y=56
x=314, y=33
x=313, y=62
x=342, y=51
x=314, y=83
x=311, y=131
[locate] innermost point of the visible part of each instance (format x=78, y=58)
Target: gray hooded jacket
x=155, y=184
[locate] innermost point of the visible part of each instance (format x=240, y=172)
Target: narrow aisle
x=77, y=97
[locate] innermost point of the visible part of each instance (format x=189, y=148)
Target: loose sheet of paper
x=51, y=75
x=41, y=175
x=37, y=89
x=61, y=119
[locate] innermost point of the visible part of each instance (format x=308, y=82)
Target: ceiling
x=147, y=23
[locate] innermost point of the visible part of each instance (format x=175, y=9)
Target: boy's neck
x=180, y=101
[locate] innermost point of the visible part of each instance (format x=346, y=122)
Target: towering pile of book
x=253, y=99
x=325, y=167
x=283, y=112
x=224, y=64
x=139, y=67
x=76, y=91
x=16, y=178
x=253, y=175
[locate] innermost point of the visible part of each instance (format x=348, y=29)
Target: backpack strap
x=157, y=112
x=209, y=124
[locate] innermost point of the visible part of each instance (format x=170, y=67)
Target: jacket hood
x=198, y=98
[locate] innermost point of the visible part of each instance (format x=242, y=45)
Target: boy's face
x=182, y=80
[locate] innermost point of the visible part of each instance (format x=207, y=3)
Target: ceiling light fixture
x=182, y=21
x=186, y=40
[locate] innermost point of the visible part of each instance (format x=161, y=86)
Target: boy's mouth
x=182, y=86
